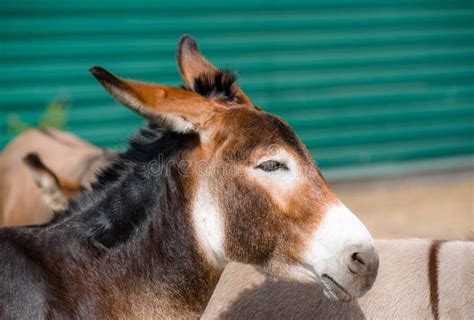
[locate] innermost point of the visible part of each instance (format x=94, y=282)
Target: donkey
x=418, y=279
x=224, y=182
x=68, y=156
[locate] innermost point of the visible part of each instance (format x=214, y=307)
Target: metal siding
x=366, y=82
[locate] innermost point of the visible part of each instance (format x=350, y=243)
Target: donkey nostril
x=357, y=257
x=362, y=265
x=358, y=263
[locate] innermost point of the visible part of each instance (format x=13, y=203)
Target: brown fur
x=236, y=135
x=302, y=212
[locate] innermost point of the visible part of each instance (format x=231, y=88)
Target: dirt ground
x=435, y=206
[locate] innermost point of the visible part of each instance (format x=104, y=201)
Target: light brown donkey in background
x=418, y=279
x=69, y=157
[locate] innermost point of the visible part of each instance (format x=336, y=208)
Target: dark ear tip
x=106, y=77
x=33, y=160
x=98, y=72
x=188, y=42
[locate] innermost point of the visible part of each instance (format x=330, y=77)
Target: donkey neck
x=137, y=219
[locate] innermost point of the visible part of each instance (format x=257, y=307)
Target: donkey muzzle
x=342, y=255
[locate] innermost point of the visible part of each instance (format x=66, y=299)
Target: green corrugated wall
x=363, y=82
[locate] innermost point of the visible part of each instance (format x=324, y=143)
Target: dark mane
x=216, y=85
x=127, y=190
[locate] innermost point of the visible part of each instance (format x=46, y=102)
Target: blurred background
x=381, y=92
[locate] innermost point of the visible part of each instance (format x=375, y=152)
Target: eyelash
x=271, y=166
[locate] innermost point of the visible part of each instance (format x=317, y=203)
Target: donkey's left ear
x=176, y=109
x=192, y=65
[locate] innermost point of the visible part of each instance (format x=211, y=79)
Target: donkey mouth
x=333, y=290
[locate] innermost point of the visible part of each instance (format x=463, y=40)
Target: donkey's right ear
x=193, y=65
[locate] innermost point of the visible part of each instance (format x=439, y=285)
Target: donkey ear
x=43, y=176
x=177, y=109
x=193, y=65
x=48, y=180
x=54, y=189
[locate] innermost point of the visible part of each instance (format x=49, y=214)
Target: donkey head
x=258, y=197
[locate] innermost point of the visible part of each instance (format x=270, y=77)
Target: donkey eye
x=272, y=165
